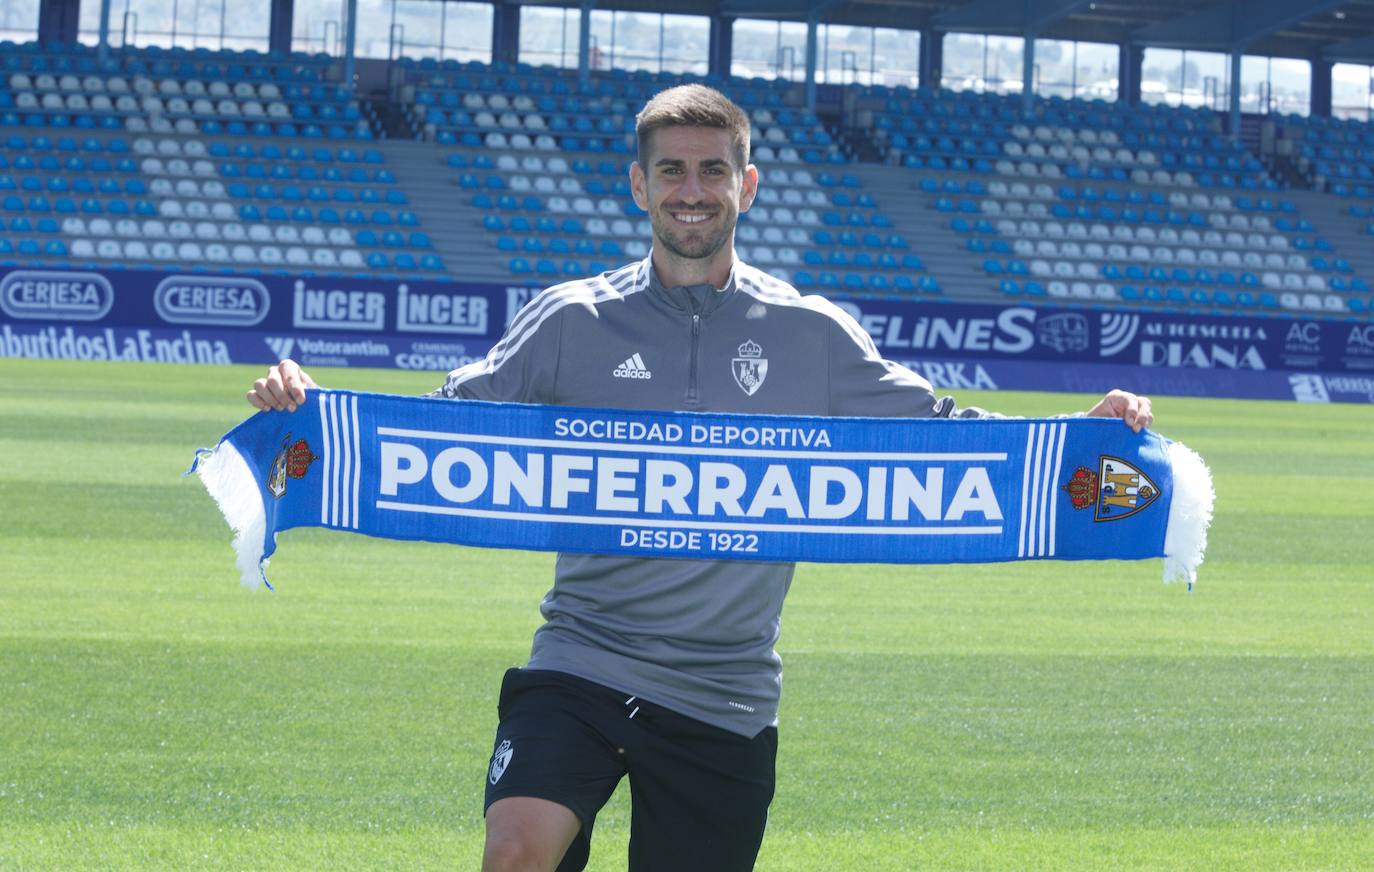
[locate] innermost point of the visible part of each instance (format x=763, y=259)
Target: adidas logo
x=633, y=367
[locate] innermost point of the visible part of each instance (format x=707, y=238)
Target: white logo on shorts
x=500, y=760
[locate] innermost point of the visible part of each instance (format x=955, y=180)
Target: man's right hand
x=283, y=389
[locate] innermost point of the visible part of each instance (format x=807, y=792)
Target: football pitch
x=1043, y=716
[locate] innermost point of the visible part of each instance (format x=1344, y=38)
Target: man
x=664, y=669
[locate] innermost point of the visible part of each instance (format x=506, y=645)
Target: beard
x=689, y=243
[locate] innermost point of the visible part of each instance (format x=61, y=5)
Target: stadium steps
x=389, y=118
x=454, y=226
x=1345, y=233
x=857, y=142
x=914, y=217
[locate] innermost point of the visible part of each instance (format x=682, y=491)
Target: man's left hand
x=1132, y=409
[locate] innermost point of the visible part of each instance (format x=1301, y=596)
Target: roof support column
x=1129, y=65
x=279, y=27
x=103, y=51
x=1028, y=75
x=505, y=33
x=811, y=31
x=584, y=43
x=1321, y=86
x=932, y=59
x=1235, y=94
x=722, y=48
x=350, y=38
x=57, y=21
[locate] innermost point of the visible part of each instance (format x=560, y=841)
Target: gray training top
x=695, y=636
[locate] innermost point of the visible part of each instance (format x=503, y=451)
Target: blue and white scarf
x=718, y=486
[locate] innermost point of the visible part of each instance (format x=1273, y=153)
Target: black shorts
x=699, y=794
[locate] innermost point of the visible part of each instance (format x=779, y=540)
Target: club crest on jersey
x=1117, y=490
x=500, y=760
x=291, y=461
x=750, y=368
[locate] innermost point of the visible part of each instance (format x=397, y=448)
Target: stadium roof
x=1335, y=30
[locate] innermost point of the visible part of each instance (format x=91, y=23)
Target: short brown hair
x=694, y=106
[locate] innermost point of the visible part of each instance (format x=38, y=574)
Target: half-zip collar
x=702, y=299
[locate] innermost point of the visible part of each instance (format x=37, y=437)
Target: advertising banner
x=192, y=317
x=196, y=317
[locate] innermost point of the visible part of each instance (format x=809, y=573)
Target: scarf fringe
x=230, y=482
x=1190, y=514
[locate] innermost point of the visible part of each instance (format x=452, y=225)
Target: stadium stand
x=176, y=91
x=238, y=161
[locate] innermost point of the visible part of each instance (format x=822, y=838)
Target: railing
x=125, y=38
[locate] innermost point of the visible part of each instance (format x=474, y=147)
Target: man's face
x=692, y=190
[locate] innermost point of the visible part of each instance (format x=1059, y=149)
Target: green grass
x=154, y=715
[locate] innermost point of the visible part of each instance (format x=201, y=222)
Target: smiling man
x=663, y=670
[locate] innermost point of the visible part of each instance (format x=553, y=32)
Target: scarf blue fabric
x=718, y=486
